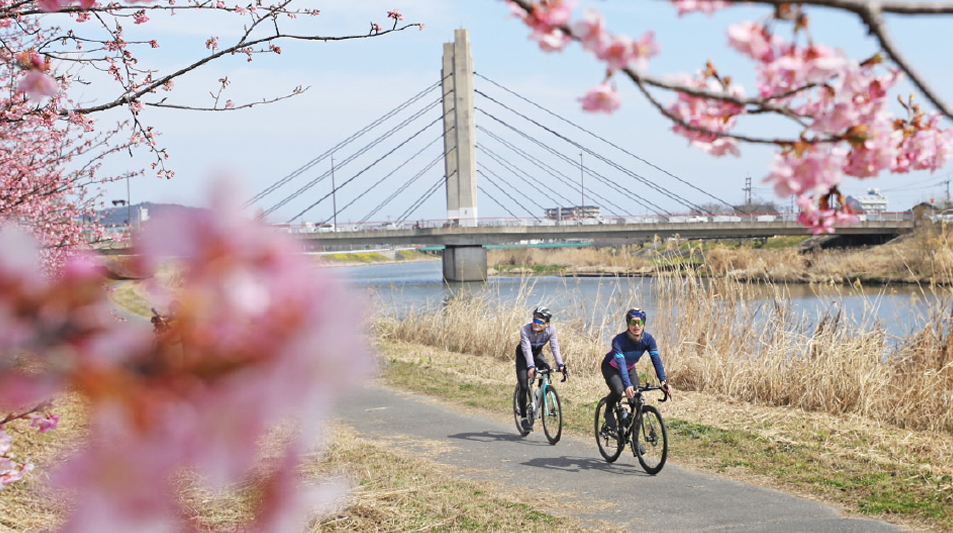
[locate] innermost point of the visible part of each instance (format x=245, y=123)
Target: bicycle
x=639, y=425
x=542, y=403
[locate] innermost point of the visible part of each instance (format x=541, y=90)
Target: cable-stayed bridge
x=545, y=177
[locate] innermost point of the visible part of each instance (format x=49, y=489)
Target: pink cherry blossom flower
x=601, y=98
x=810, y=170
x=37, y=84
x=51, y=5
x=644, y=48
x=619, y=51
x=212, y=43
x=591, y=31
x=753, y=40
x=44, y=423
x=704, y=6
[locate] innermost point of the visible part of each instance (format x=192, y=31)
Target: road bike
x=541, y=403
x=637, y=424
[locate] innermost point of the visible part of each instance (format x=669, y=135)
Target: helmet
x=635, y=312
x=543, y=312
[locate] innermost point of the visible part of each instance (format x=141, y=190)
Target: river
x=401, y=287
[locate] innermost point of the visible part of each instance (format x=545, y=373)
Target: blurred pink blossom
x=601, y=98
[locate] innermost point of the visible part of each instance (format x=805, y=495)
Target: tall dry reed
x=724, y=336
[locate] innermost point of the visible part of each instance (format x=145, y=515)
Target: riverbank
x=923, y=257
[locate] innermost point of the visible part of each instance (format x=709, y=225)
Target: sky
x=351, y=84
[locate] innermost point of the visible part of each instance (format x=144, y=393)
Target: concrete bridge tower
x=460, y=262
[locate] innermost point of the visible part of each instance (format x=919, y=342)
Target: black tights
x=616, y=387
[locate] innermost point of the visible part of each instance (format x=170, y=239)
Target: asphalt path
x=676, y=500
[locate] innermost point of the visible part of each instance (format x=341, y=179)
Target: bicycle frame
x=536, y=395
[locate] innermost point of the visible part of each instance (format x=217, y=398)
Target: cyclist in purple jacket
x=529, y=355
x=618, y=366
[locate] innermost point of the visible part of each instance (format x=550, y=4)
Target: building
x=577, y=211
x=872, y=202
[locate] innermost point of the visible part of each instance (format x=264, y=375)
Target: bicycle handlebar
x=547, y=371
x=665, y=394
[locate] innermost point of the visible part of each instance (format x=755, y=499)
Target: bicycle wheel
x=610, y=444
x=552, y=415
x=516, y=412
x=650, y=440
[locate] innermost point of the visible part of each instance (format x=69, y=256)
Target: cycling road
x=676, y=500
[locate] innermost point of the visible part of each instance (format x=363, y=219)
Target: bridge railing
x=729, y=218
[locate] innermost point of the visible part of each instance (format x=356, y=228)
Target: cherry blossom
x=842, y=105
x=601, y=98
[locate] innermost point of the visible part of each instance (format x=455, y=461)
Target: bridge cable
x=559, y=176
x=631, y=195
x=618, y=167
x=534, y=184
x=519, y=192
x=490, y=196
x=402, y=188
x=389, y=174
x=341, y=144
x=353, y=156
x=420, y=201
x=610, y=143
x=378, y=160
x=507, y=194
x=553, y=172
x=602, y=158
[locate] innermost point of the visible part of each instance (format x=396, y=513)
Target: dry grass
x=375, y=488
x=719, y=336
x=850, y=461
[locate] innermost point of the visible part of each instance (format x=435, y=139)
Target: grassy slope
x=900, y=476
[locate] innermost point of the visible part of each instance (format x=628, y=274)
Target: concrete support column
x=459, y=138
x=464, y=263
x=450, y=136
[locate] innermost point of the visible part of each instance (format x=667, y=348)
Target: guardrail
x=732, y=218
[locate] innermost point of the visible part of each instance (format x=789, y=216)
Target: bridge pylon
x=460, y=263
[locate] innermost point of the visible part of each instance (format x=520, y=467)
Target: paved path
x=677, y=500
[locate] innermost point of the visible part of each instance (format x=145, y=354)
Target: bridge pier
x=464, y=263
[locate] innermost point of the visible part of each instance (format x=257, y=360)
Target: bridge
x=467, y=243
x=608, y=191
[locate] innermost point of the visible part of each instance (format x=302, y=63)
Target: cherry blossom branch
x=11, y=417
x=871, y=14
x=740, y=137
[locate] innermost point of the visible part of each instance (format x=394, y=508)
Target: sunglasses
x=539, y=322
x=636, y=322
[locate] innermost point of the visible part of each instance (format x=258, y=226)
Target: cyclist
x=618, y=366
x=529, y=355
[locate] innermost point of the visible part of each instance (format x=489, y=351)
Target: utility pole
x=582, y=185
x=747, y=190
x=334, y=200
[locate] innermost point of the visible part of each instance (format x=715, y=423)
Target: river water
x=401, y=287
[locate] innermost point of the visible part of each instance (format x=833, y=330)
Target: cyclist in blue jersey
x=618, y=367
x=529, y=355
